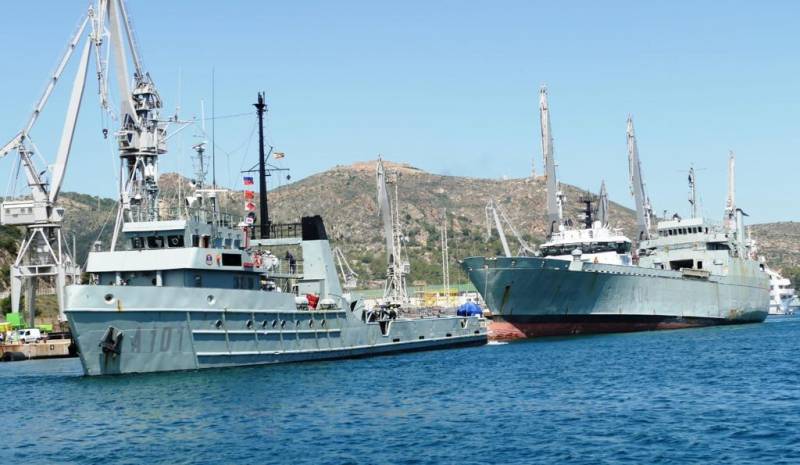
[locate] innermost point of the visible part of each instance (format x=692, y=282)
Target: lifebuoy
x=257, y=260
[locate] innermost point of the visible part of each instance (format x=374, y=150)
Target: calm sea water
x=715, y=395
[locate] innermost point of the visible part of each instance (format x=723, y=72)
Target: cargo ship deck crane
x=394, y=292
x=602, y=206
x=555, y=198
x=43, y=253
x=644, y=212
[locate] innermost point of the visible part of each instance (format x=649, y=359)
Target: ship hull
x=536, y=297
x=139, y=330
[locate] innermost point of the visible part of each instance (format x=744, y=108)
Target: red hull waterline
x=502, y=330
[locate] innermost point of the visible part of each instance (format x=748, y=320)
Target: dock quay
x=54, y=348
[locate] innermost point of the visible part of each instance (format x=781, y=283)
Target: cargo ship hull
x=536, y=297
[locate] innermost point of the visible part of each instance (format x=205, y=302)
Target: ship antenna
x=213, y=139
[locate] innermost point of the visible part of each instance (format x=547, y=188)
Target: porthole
x=322, y=324
x=310, y=323
x=275, y=323
x=211, y=300
x=297, y=323
x=264, y=324
x=218, y=324
x=109, y=298
x=249, y=324
x=283, y=323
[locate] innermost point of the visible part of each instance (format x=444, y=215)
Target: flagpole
x=262, y=169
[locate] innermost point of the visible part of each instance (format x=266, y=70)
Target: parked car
x=29, y=335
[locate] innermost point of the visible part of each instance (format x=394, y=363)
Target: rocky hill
x=345, y=197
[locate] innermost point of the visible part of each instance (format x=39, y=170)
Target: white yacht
x=781, y=294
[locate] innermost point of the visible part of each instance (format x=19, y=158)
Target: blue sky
x=452, y=87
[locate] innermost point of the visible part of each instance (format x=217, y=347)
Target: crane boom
x=48, y=91
x=644, y=211
x=602, y=205
x=555, y=198
x=68, y=134
x=491, y=210
x=386, y=210
x=120, y=62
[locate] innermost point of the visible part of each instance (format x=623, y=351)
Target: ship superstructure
x=683, y=273
x=595, y=241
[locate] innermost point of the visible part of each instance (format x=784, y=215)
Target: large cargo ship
x=685, y=273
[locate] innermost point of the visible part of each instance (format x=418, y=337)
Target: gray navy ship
x=188, y=287
x=683, y=273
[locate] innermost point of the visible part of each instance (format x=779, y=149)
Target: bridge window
x=137, y=242
x=155, y=242
x=175, y=240
x=677, y=265
x=231, y=259
x=195, y=240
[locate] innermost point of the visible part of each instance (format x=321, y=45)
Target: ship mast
x=262, y=170
x=555, y=198
x=644, y=211
x=445, y=261
x=693, y=191
x=730, y=205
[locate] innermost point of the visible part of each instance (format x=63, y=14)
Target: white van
x=29, y=335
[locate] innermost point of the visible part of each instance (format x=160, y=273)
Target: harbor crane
x=43, y=253
x=141, y=138
x=349, y=277
x=398, y=267
x=495, y=214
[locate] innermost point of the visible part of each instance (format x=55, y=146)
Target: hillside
x=345, y=197
x=780, y=245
